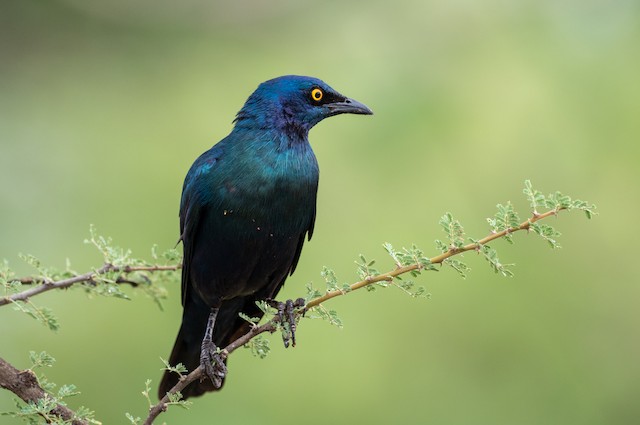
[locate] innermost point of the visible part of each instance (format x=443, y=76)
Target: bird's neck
x=281, y=121
x=281, y=138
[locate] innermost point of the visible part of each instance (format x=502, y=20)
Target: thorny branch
x=272, y=325
x=400, y=270
x=25, y=385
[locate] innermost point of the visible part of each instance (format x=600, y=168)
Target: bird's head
x=294, y=104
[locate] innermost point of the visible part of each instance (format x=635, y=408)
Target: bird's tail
x=187, y=347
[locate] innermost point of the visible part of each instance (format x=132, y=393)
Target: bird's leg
x=211, y=358
x=287, y=318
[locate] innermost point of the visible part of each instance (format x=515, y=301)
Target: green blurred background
x=104, y=105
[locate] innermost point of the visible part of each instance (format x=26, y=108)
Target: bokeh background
x=104, y=105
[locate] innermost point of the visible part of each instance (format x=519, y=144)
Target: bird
x=248, y=204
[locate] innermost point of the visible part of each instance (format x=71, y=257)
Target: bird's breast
x=271, y=191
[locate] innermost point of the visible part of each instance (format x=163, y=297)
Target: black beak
x=348, y=106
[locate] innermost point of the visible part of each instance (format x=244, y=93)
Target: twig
x=435, y=260
x=24, y=383
x=45, y=285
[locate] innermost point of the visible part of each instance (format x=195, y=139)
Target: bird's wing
x=192, y=207
x=305, y=235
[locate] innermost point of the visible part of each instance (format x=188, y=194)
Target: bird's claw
x=287, y=318
x=212, y=360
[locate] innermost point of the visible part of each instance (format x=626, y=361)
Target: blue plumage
x=247, y=206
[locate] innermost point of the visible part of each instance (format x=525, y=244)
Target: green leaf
x=459, y=266
x=408, y=287
x=589, y=209
x=365, y=269
x=312, y=293
x=330, y=278
x=491, y=255
x=87, y=415
x=535, y=197
x=505, y=218
x=180, y=369
x=547, y=232
x=252, y=320
x=176, y=399
x=67, y=390
x=264, y=307
x=106, y=286
x=441, y=246
x=41, y=359
x=557, y=201
x=134, y=421
x=392, y=252
x=259, y=346
x=454, y=230
x=320, y=312
x=43, y=315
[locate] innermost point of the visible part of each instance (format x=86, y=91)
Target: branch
x=89, y=277
x=118, y=268
x=272, y=325
x=25, y=385
x=400, y=270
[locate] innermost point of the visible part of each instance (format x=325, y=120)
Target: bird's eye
x=316, y=94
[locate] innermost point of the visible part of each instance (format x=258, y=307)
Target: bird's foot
x=286, y=316
x=212, y=360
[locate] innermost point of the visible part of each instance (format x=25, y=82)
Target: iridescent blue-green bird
x=247, y=205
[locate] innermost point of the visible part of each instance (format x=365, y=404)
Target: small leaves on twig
x=555, y=201
x=546, y=232
x=320, y=312
x=259, y=346
x=406, y=257
x=43, y=315
x=252, y=320
x=180, y=369
x=504, y=223
x=365, y=270
x=41, y=359
x=52, y=401
x=459, y=266
x=535, y=197
x=120, y=268
x=454, y=231
x=312, y=292
x=505, y=219
x=491, y=255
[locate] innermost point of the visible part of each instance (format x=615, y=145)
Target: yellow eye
x=316, y=94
